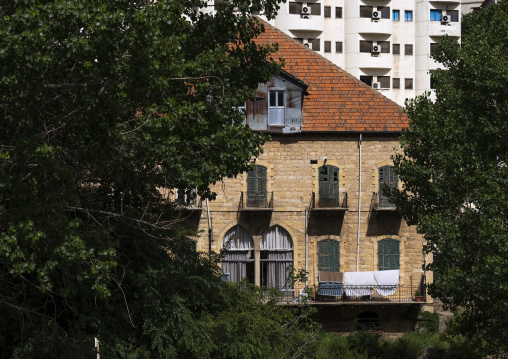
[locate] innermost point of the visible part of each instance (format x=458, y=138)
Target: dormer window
x=276, y=108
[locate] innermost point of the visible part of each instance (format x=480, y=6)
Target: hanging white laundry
x=387, y=281
x=358, y=284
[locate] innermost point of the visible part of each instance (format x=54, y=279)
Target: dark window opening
x=366, y=79
x=408, y=49
x=408, y=84
x=316, y=44
x=315, y=9
x=385, y=11
x=396, y=49
x=454, y=15
x=368, y=321
x=366, y=11
x=328, y=46
x=328, y=12
x=338, y=47
x=384, y=81
x=396, y=83
x=338, y=12
x=385, y=46
x=365, y=46
x=256, y=187
x=295, y=8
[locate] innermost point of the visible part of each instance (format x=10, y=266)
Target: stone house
x=313, y=200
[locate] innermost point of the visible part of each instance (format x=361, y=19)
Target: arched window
x=276, y=258
x=256, y=187
x=386, y=176
x=328, y=186
x=388, y=254
x=238, y=263
x=329, y=255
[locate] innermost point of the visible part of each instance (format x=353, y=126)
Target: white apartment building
x=385, y=43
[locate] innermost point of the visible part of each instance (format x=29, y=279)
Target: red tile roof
x=337, y=101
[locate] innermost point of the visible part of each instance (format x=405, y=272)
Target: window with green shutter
x=387, y=176
x=256, y=187
x=328, y=186
x=329, y=255
x=388, y=254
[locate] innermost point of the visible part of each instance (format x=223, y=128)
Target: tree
x=104, y=104
x=453, y=165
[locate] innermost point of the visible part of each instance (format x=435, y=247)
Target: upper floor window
x=328, y=12
x=329, y=255
x=384, y=81
x=338, y=47
x=366, y=79
x=454, y=15
x=408, y=84
x=396, y=83
x=338, y=12
x=366, y=46
x=435, y=14
x=396, y=15
x=256, y=187
x=315, y=9
x=385, y=46
x=388, y=177
x=328, y=186
x=238, y=262
x=366, y=11
x=396, y=49
x=385, y=11
x=295, y=8
x=408, y=15
x=388, y=254
x=276, y=107
x=408, y=49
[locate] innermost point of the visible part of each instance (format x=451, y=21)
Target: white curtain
x=238, y=242
x=279, y=247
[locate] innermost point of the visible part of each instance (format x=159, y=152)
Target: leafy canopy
x=453, y=165
x=103, y=104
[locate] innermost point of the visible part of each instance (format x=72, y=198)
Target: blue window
x=408, y=15
x=395, y=15
x=435, y=15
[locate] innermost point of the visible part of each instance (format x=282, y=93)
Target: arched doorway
x=238, y=263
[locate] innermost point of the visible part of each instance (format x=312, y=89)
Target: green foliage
x=430, y=322
x=103, y=104
x=453, y=163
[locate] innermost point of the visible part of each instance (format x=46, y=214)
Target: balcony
x=381, y=203
x=185, y=202
x=331, y=203
x=379, y=27
x=256, y=202
x=349, y=294
x=314, y=23
x=437, y=28
x=380, y=61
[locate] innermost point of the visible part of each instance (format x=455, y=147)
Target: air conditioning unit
x=376, y=15
x=305, y=10
x=445, y=18
x=305, y=17
x=376, y=85
x=309, y=45
x=376, y=49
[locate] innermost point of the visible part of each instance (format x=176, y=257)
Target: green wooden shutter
x=388, y=254
x=256, y=187
x=328, y=186
x=329, y=255
x=386, y=176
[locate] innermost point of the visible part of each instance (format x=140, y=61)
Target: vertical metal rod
x=209, y=228
x=359, y=203
x=306, y=241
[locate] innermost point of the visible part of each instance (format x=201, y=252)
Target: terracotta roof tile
x=337, y=101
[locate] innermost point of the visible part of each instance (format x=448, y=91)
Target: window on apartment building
x=276, y=258
x=366, y=79
x=454, y=15
x=408, y=49
x=316, y=44
x=384, y=81
x=408, y=84
x=387, y=176
x=338, y=12
x=328, y=46
x=299, y=39
x=408, y=15
x=328, y=187
x=338, y=47
x=433, y=82
x=295, y=8
x=385, y=46
x=385, y=11
x=365, y=46
x=435, y=14
x=329, y=255
x=238, y=262
x=434, y=47
x=315, y=9
x=396, y=83
x=396, y=49
x=388, y=254
x=256, y=187
x=366, y=11
x=396, y=15
x=328, y=12
x=276, y=108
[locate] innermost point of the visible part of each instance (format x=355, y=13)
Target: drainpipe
x=210, y=236
x=306, y=241
x=359, y=203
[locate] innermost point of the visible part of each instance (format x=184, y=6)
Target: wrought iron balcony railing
x=382, y=203
x=373, y=294
x=335, y=202
x=182, y=201
x=256, y=202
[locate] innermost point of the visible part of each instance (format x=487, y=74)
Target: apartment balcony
x=437, y=28
x=446, y=1
x=369, y=26
x=313, y=23
x=381, y=203
x=256, y=202
x=329, y=203
x=367, y=60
